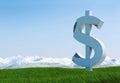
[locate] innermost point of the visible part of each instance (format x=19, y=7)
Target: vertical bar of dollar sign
x=87, y=32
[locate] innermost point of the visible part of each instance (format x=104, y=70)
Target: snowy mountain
x=37, y=61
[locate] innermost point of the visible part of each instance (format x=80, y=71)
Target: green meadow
x=60, y=75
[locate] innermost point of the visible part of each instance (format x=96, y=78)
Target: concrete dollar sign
x=90, y=42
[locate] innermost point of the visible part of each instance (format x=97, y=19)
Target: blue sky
x=44, y=27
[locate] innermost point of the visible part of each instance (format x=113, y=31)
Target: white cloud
x=37, y=61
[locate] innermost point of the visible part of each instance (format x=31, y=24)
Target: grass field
x=60, y=75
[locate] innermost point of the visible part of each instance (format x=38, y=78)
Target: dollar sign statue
x=91, y=43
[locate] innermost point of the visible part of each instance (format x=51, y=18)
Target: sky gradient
x=45, y=27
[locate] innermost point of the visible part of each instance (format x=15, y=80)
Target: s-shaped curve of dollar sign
x=90, y=43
